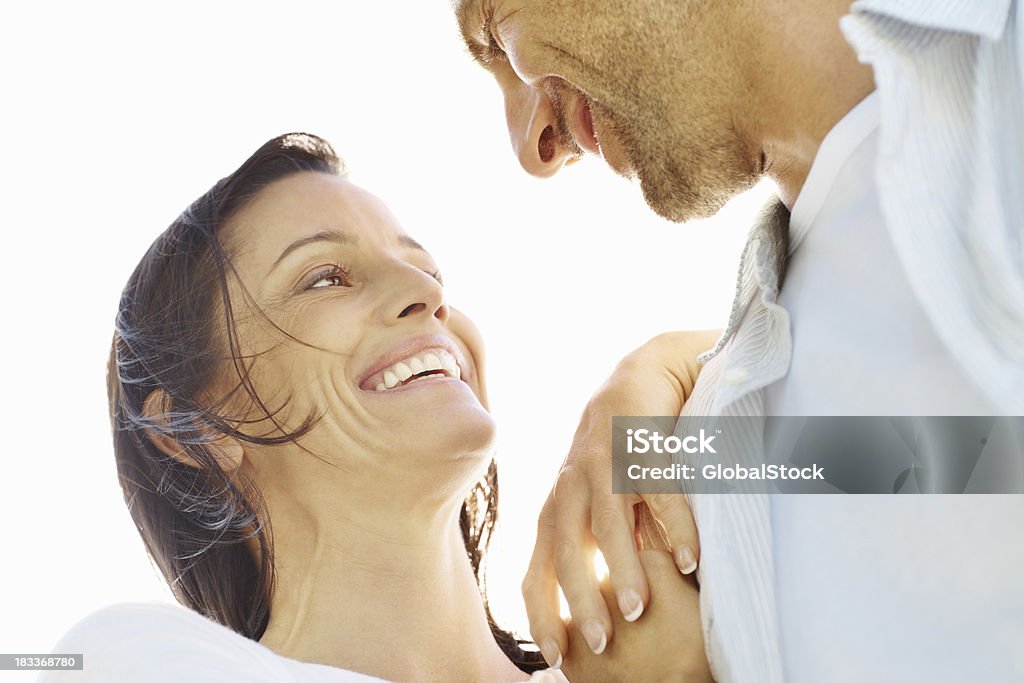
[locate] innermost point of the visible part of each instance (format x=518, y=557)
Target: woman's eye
x=335, y=276
x=330, y=281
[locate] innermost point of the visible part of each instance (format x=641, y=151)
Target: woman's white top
x=162, y=643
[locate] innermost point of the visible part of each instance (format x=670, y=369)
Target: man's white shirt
x=837, y=588
x=862, y=342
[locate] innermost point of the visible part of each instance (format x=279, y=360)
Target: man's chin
x=680, y=202
x=680, y=188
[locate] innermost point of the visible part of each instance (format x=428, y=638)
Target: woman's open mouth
x=428, y=365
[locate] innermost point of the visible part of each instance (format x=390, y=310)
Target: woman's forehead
x=306, y=208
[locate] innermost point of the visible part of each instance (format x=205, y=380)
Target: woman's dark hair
x=206, y=528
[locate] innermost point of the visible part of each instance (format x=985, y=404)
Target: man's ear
x=228, y=450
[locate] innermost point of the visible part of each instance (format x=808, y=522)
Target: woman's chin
x=440, y=459
x=425, y=400
x=437, y=416
x=467, y=432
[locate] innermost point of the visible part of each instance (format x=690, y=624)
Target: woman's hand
x=581, y=514
x=666, y=645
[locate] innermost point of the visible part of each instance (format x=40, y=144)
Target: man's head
x=658, y=88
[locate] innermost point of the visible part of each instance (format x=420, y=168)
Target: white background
x=116, y=116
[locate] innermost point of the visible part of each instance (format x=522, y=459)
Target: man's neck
x=807, y=78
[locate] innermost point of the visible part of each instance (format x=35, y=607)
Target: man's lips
x=581, y=126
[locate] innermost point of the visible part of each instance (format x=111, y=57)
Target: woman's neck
x=392, y=597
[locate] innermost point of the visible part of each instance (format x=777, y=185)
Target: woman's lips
x=413, y=361
x=429, y=364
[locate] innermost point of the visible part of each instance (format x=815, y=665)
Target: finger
x=670, y=590
x=613, y=526
x=548, y=676
x=659, y=564
x=574, y=562
x=673, y=512
x=540, y=592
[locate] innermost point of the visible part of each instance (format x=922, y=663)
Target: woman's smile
x=417, y=361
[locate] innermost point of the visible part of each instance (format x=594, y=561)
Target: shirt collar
x=985, y=18
x=833, y=153
x=762, y=268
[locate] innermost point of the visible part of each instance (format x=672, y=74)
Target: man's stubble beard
x=689, y=164
x=671, y=98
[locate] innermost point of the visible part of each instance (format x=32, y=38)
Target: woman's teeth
x=438, y=363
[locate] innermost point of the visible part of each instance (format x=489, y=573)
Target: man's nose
x=532, y=129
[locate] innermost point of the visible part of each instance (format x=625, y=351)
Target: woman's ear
x=228, y=450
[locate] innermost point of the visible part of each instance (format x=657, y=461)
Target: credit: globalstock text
x=644, y=441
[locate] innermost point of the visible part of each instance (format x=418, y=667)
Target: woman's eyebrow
x=336, y=236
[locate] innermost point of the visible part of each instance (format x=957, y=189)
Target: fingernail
x=685, y=560
x=594, y=634
x=542, y=677
x=630, y=604
x=552, y=655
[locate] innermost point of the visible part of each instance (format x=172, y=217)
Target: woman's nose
x=440, y=312
x=532, y=129
x=416, y=294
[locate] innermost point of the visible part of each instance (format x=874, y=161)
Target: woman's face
x=394, y=372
